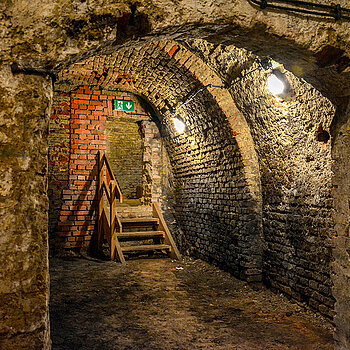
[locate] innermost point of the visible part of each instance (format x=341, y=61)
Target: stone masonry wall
x=125, y=154
x=157, y=169
x=295, y=174
x=59, y=155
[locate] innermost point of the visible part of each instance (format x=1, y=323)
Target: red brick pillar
x=87, y=136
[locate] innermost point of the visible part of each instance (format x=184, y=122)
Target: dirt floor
x=163, y=304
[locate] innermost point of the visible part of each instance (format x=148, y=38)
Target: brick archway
x=155, y=81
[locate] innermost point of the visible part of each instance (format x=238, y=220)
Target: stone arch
x=172, y=74
x=181, y=56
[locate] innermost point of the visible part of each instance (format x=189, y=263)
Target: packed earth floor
x=163, y=304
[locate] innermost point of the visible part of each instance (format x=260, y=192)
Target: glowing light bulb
x=179, y=125
x=276, y=86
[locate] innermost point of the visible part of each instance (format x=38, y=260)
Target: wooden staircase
x=128, y=236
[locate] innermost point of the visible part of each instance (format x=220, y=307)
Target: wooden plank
x=139, y=221
x=106, y=227
x=146, y=248
x=133, y=236
x=174, y=253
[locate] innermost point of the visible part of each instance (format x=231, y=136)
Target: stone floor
x=163, y=304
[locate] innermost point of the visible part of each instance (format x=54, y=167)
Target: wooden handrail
x=108, y=225
x=109, y=167
x=106, y=189
x=175, y=254
x=105, y=161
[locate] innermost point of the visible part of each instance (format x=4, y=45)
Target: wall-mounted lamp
x=276, y=82
x=180, y=126
x=275, y=85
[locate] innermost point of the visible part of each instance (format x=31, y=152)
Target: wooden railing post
x=115, y=225
x=112, y=190
x=100, y=201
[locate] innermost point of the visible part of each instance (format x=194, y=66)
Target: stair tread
x=147, y=247
x=138, y=220
x=141, y=234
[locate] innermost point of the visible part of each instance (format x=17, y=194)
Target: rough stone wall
x=341, y=241
x=61, y=32
x=24, y=280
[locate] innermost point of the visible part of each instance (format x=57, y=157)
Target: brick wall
x=296, y=177
x=212, y=199
x=88, y=110
x=84, y=121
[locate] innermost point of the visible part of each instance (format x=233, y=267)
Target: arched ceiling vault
x=166, y=74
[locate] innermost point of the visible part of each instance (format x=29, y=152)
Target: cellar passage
x=256, y=184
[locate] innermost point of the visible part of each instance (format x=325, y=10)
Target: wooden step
x=134, y=236
x=139, y=222
x=145, y=248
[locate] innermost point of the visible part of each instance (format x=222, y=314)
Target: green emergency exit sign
x=127, y=106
